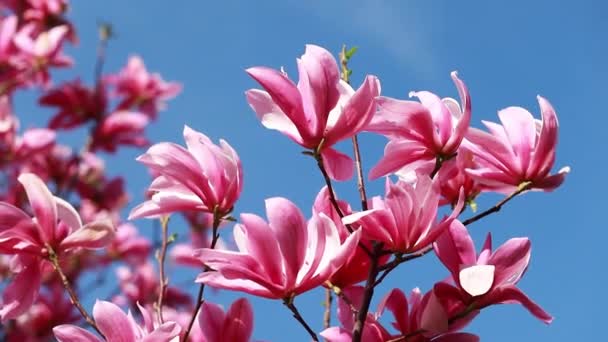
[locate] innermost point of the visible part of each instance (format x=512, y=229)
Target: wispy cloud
x=404, y=29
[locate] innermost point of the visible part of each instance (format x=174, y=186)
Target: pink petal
x=167, y=331
x=289, y=226
x=211, y=320
x=433, y=319
x=521, y=131
x=97, y=234
x=21, y=293
x=394, y=119
x=239, y=323
x=397, y=154
x=67, y=214
x=167, y=202
x=463, y=123
x=442, y=118
x=42, y=203
x=72, y=333
x=112, y=322
x=10, y=216
x=336, y=334
x=552, y=182
x=544, y=154
x=271, y=115
x=357, y=113
x=455, y=248
x=511, y=294
x=511, y=260
x=339, y=166
x=263, y=246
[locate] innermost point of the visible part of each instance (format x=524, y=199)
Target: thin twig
x=217, y=219
x=163, y=281
x=73, y=296
x=296, y=314
x=368, y=293
x=496, y=208
x=327, y=304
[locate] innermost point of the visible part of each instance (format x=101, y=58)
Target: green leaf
x=350, y=52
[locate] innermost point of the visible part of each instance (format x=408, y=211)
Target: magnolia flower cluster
x=60, y=212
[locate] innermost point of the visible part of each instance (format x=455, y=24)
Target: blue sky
x=507, y=52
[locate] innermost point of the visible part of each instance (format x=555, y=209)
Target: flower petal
x=72, y=333
x=113, y=322
x=43, y=204
x=93, y=235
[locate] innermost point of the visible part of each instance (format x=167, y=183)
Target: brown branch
x=296, y=314
x=368, y=293
x=68, y=287
x=217, y=219
x=327, y=304
x=496, y=208
x=163, y=281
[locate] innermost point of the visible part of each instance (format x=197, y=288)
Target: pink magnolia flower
x=405, y=221
x=203, y=177
x=76, y=104
x=521, y=150
x=120, y=128
x=487, y=278
x=420, y=133
x=55, y=227
x=128, y=245
x=141, y=90
x=319, y=111
x=356, y=269
x=454, y=179
x=279, y=259
x=115, y=325
x=422, y=319
x=41, y=51
x=234, y=325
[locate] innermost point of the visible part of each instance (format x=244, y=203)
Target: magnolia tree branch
x=163, y=281
x=217, y=219
x=368, y=293
x=296, y=314
x=496, y=208
x=68, y=287
x=327, y=304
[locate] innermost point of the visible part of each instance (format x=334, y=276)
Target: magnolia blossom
x=115, y=325
x=203, y=177
x=76, y=104
x=520, y=150
x=141, y=90
x=319, y=111
x=55, y=228
x=120, y=128
x=281, y=258
x=356, y=269
x=405, y=221
x=487, y=278
x=454, y=179
x=234, y=325
x=422, y=319
x=420, y=133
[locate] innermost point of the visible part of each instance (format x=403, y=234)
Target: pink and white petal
x=521, y=131
x=396, y=303
x=168, y=331
x=285, y=95
x=163, y=203
x=433, y=318
x=477, y=280
x=93, y=235
x=336, y=334
x=511, y=260
x=42, y=203
x=397, y=154
x=394, y=116
x=21, y=293
x=338, y=165
x=544, y=153
x=239, y=323
x=217, y=280
x=464, y=121
x=67, y=214
x=442, y=118
x=113, y=322
x=72, y=333
x=271, y=116
x=357, y=113
x=262, y=245
x=323, y=241
x=290, y=230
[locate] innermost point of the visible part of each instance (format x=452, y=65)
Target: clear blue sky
x=506, y=51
